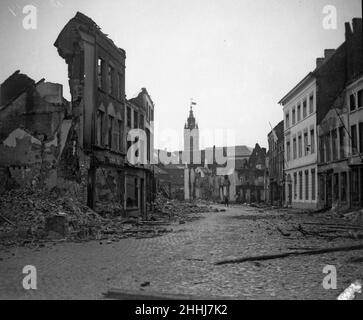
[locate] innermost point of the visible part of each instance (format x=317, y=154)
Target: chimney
x=319, y=62
x=328, y=53
x=357, y=25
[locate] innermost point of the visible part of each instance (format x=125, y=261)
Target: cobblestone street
x=183, y=262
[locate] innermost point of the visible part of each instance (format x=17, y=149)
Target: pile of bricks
x=27, y=215
x=180, y=209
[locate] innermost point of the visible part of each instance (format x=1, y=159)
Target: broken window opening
x=100, y=73
x=110, y=131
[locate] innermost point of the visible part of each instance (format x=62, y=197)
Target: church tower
x=191, y=136
x=192, y=155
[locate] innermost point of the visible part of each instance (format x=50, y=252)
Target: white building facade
x=300, y=131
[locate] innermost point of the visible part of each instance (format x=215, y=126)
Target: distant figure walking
x=226, y=201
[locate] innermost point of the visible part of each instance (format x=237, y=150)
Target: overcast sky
x=236, y=58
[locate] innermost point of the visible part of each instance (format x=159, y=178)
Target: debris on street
x=29, y=216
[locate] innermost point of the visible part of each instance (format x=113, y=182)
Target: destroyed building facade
x=96, y=69
x=34, y=125
x=79, y=147
x=251, y=186
x=139, y=175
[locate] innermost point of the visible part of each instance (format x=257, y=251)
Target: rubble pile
x=355, y=217
x=30, y=216
x=176, y=209
x=27, y=215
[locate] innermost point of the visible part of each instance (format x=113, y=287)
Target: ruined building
x=251, y=185
x=96, y=69
x=34, y=125
x=80, y=146
x=276, y=165
x=139, y=176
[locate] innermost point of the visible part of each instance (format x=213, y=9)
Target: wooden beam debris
x=119, y=294
x=7, y=220
x=290, y=254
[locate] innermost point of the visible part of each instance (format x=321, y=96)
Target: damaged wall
x=33, y=133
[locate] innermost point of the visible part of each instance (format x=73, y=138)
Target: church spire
x=191, y=122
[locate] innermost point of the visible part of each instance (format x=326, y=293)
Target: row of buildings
x=79, y=146
x=316, y=152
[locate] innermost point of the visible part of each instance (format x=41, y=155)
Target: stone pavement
x=182, y=262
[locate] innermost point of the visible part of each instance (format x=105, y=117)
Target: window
x=132, y=192
x=343, y=185
x=311, y=103
x=120, y=86
x=322, y=186
x=110, y=131
x=327, y=147
x=300, y=146
x=354, y=139
x=342, y=142
x=100, y=72
x=306, y=185
x=313, y=187
x=142, y=121
x=360, y=98
x=355, y=185
x=293, y=116
x=136, y=125
x=312, y=141
x=334, y=136
x=322, y=148
x=300, y=185
x=99, y=127
x=294, y=148
x=304, y=109
x=288, y=151
x=360, y=137
x=128, y=116
x=336, y=186
x=148, y=141
x=152, y=114
x=111, y=84
x=352, y=102
x=306, y=143
x=298, y=112
x=287, y=121
x=120, y=135
x=295, y=185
